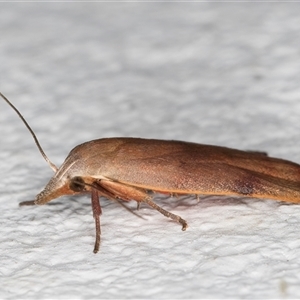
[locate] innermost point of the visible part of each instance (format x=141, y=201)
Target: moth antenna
x=51, y=164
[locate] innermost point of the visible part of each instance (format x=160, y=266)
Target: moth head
x=57, y=188
x=65, y=181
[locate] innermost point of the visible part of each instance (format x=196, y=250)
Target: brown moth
x=128, y=168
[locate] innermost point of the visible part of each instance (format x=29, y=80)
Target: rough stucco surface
x=215, y=73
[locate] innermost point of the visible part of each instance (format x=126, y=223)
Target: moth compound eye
x=77, y=184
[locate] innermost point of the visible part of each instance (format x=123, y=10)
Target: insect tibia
x=167, y=213
x=96, y=213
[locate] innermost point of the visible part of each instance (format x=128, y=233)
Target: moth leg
x=262, y=153
x=166, y=213
x=24, y=203
x=97, y=211
x=127, y=193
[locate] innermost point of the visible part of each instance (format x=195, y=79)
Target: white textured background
x=217, y=73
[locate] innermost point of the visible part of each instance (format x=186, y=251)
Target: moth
x=129, y=168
